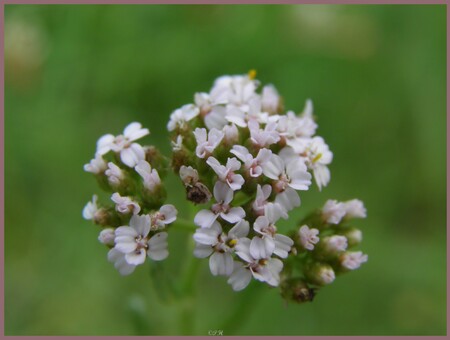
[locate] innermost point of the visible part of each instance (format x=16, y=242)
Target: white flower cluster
x=246, y=149
x=133, y=226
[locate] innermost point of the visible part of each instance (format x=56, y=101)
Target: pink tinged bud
x=333, y=212
x=355, y=209
x=321, y=274
x=125, y=205
x=354, y=236
x=335, y=244
x=96, y=165
x=91, y=209
x=353, y=260
x=115, y=174
x=308, y=237
x=231, y=134
x=107, y=236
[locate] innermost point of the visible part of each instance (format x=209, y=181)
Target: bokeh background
x=377, y=76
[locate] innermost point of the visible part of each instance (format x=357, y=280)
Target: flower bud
x=296, y=290
x=352, y=260
x=334, y=244
x=320, y=274
x=354, y=236
x=106, y=217
x=156, y=160
x=107, y=236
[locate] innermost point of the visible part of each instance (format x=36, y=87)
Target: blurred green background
x=377, y=76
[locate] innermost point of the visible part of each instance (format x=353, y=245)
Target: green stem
x=243, y=308
x=184, y=225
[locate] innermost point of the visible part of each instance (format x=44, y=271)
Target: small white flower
x=335, y=243
x=107, y=236
x=167, y=214
x=149, y=175
x=355, y=209
x=270, y=99
x=223, y=195
x=308, y=237
x=188, y=175
x=252, y=165
x=273, y=242
x=353, y=260
x=120, y=263
x=333, y=211
x=130, y=153
x=207, y=142
x=236, y=90
x=178, y=144
x=292, y=173
x=96, y=165
x=263, y=267
x=231, y=133
x=215, y=118
x=263, y=138
x=180, y=116
x=90, y=209
x=134, y=241
x=226, y=173
x=294, y=129
x=262, y=195
x=115, y=174
x=125, y=205
x=214, y=241
x=288, y=200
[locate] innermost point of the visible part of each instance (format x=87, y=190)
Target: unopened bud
x=354, y=236
x=334, y=244
x=296, y=290
x=156, y=160
x=321, y=274
x=352, y=260
x=107, y=236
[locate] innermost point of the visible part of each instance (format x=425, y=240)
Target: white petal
x=135, y=258
x=219, y=169
x=141, y=224
x=205, y=218
x=283, y=245
x=260, y=223
x=288, y=199
x=235, y=215
x=274, y=167
x=222, y=192
x=258, y=248
x=169, y=212
x=157, y=247
x=221, y=264
x=240, y=230
x=207, y=236
x=236, y=182
x=104, y=144
x=123, y=246
x=202, y=251
x=216, y=118
x=119, y=262
x=134, y=131
x=240, y=278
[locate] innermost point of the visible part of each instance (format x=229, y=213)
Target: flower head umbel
x=245, y=163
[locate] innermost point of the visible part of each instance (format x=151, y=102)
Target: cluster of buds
x=134, y=223
x=238, y=154
x=243, y=161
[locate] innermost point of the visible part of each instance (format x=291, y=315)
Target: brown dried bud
x=198, y=193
